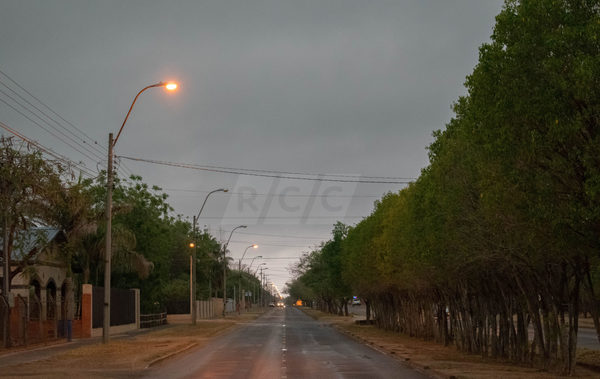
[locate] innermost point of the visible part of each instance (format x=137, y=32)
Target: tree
x=27, y=185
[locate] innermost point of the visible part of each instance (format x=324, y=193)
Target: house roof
x=32, y=238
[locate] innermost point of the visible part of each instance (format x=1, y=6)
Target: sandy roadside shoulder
x=128, y=358
x=433, y=358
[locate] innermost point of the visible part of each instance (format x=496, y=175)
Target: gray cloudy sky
x=334, y=87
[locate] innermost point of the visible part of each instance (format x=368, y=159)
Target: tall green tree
x=28, y=184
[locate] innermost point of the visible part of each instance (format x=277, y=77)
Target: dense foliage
x=500, y=233
x=28, y=184
x=150, y=248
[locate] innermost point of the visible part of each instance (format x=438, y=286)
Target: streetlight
x=225, y=266
x=262, y=264
x=109, y=185
x=254, y=246
x=194, y=254
x=262, y=290
x=254, y=277
x=252, y=262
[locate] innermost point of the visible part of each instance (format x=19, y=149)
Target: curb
x=167, y=356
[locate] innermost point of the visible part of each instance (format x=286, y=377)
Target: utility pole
x=108, y=210
x=108, y=241
x=225, y=267
x=262, y=303
x=6, y=285
x=194, y=256
x=193, y=273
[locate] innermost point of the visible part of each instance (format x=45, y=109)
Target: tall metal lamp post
x=254, y=277
x=254, y=246
x=262, y=289
x=194, y=247
x=109, y=189
x=225, y=266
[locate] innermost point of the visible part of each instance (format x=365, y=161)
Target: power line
x=282, y=258
x=280, y=217
x=240, y=172
x=48, y=131
x=273, y=235
x=53, y=112
x=281, y=235
x=68, y=136
x=306, y=173
x=275, y=194
x=273, y=244
x=46, y=150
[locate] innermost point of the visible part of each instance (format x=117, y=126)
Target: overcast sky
x=322, y=87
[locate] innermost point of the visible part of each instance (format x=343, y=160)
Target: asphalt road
x=587, y=338
x=284, y=343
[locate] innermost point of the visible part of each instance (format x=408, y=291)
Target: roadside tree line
x=500, y=234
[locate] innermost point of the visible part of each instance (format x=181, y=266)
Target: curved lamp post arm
x=206, y=198
x=243, y=255
x=258, y=267
x=159, y=84
x=252, y=262
x=230, y=234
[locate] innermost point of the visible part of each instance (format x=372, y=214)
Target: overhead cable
x=56, y=114
x=240, y=172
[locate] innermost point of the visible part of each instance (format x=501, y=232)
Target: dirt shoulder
x=441, y=361
x=127, y=357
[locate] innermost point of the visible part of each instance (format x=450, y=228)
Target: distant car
x=355, y=301
x=280, y=304
x=271, y=305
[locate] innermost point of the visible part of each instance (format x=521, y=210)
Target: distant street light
x=262, y=291
x=109, y=185
x=254, y=246
x=225, y=266
x=194, y=254
x=253, y=282
x=258, y=267
x=252, y=262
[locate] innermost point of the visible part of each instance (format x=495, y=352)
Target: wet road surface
x=284, y=343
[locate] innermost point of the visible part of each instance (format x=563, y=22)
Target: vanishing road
x=284, y=343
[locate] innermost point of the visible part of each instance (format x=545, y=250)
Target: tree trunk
x=573, y=326
x=6, y=284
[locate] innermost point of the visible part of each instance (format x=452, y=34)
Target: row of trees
x=500, y=234
x=150, y=246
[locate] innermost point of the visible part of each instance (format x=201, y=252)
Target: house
x=41, y=273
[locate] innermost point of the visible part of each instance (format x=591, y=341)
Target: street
x=284, y=343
